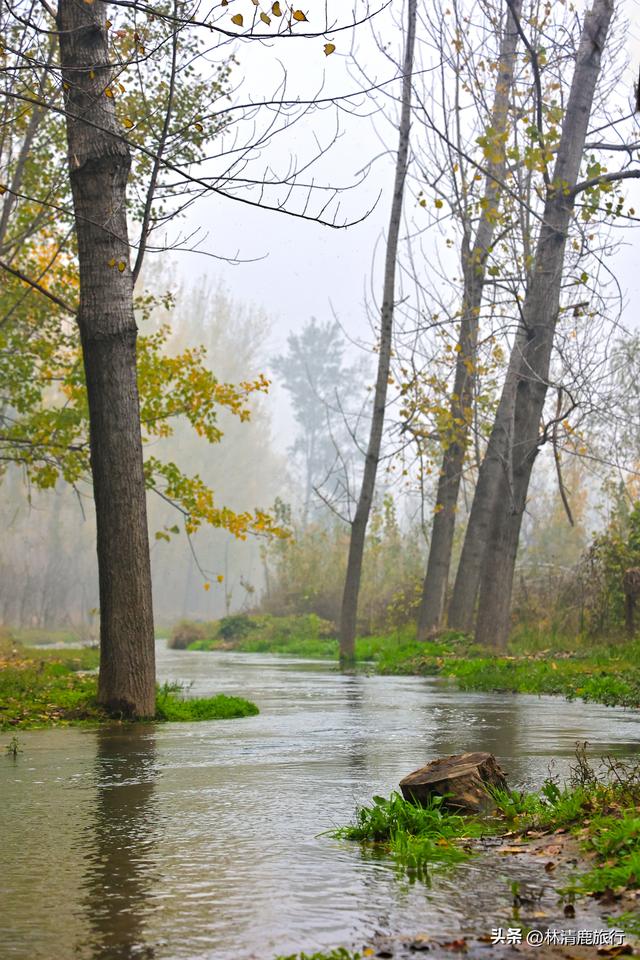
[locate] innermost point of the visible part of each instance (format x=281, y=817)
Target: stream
x=203, y=841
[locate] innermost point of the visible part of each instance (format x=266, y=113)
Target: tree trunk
x=99, y=163
x=540, y=314
x=493, y=469
x=349, y=611
x=474, y=271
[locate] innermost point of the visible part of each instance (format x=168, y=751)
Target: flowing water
x=189, y=841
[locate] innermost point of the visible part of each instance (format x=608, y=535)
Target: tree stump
x=463, y=779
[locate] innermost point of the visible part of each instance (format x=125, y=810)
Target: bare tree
x=535, y=344
x=475, y=252
x=349, y=608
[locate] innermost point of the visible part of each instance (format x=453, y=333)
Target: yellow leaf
x=108, y=93
x=275, y=9
x=207, y=586
x=199, y=127
x=299, y=16
x=3, y=188
x=238, y=19
x=121, y=266
x=219, y=578
x=112, y=262
x=127, y=123
x=224, y=3
x=438, y=203
x=329, y=49
x=265, y=18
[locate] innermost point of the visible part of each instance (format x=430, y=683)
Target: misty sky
x=301, y=269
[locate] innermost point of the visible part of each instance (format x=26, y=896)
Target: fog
x=246, y=279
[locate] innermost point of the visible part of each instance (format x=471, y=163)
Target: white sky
x=304, y=268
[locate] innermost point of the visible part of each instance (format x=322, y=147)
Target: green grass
x=602, y=673
x=170, y=707
x=413, y=836
x=602, y=811
x=297, y=636
x=44, y=688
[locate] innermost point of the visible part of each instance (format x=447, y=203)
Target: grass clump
x=414, y=836
x=400, y=653
x=616, y=685
x=601, y=808
x=294, y=636
x=170, y=707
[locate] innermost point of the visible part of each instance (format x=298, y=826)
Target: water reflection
x=356, y=746
x=216, y=848
x=120, y=844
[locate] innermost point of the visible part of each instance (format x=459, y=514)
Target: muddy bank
x=584, y=929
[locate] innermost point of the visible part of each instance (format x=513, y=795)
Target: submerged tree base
x=47, y=688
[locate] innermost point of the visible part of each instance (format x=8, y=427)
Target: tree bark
x=349, y=609
x=474, y=261
x=540, y=314
x=494, y=466
x=99, y=162
x=465, y=780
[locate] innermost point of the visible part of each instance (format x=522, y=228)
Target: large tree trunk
x=474, y=261
x=493, y=469
x=99, y=163
x=349, y=611
x=540, y=316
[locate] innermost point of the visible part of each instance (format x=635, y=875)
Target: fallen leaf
x=460, y=944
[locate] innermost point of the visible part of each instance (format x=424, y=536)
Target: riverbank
x=606, y=672
x=58, y=687
x=579, y=846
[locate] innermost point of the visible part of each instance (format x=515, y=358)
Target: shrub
x=185, y=633
x=236, y=626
